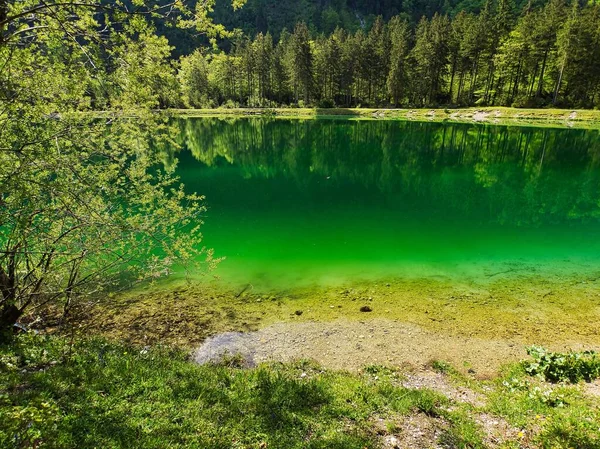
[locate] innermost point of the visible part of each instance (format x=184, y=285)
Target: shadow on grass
x=106, y=395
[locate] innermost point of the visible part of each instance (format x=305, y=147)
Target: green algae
x=526, y=310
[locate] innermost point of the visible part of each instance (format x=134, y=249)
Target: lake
x=326, y=201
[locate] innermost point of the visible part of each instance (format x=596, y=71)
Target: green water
x=328, y=201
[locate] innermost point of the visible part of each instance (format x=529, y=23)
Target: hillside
x=323, y=16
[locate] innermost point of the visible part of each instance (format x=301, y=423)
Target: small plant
x=548, y=397
x=463, y=432
x=229, y=360
x=391, y=427
x=563, y=367
x=515, y=384
x=442, y=367
x=379, y=370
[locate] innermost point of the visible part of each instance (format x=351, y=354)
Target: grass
x=99, y=394
x=550, y=415
x=500, y=115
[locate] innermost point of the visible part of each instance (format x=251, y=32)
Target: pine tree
x=397, y=78
x=430, y=59
x=300, y=63
x=262, y=50
x=378, y=67
x=279, y=74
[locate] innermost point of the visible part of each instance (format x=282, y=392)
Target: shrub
x=325, y=104
x=563, y=367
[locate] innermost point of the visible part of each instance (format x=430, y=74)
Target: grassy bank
x=499, y=115
x=97, y=394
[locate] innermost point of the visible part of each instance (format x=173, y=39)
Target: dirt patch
x=415, y=431
x=480, y=116
x=440, y=383
x=352, y=345
x=496, y=430
x=592, y=389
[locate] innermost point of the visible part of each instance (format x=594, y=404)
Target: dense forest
x=324, y=16
x=505, y=54
x=352, y=53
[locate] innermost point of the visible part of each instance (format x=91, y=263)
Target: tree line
x=540, y=56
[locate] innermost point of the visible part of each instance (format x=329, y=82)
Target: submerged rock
x=229, y=344
x=366, y=309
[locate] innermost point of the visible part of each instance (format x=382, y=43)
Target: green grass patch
x=95, y=393
x=99, y=394
x=463, y=432
x=554, y=415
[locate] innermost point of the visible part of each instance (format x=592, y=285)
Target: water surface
x=328, y=201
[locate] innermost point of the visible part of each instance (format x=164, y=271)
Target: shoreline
x=572, y=118
x=500, y=319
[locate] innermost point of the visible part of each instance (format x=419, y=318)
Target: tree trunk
x=474, y=79
x=8, y=317
x=557, y=88
x=533, y=78
x=490, y=82
x=515, y=89
x=541, y=82
x=460, y=87
x=452, y=78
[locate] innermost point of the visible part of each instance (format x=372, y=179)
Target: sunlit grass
x=497, y=115
x=97, y=394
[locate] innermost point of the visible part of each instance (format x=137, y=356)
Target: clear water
x=328, y=201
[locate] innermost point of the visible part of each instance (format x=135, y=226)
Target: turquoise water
x=327, y=201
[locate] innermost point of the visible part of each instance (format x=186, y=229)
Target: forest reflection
x=490, y=173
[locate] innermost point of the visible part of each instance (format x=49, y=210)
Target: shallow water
x=327, y=201
x=232, y=344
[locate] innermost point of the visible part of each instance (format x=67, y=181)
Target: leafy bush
x=325, y=104
x=563, y=367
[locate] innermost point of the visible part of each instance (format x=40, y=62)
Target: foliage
x=550, y=416
x=85, y=205
x=515, y=171
x=193, y=79
x=498, y=53
x=323, y=16
x=563, y=367
x=577, y=430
